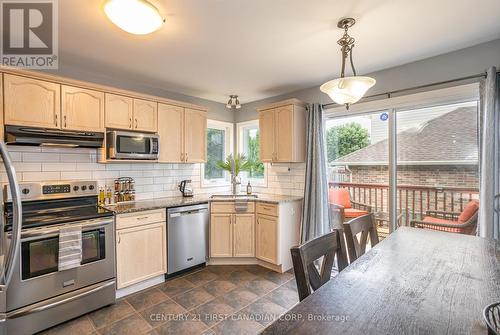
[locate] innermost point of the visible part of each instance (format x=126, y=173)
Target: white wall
x=284, y=183
x=153, y=180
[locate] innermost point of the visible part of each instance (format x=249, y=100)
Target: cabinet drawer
x=140, y=218
x=267, y=209
x=228, y=207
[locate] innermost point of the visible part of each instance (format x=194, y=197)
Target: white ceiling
x=262, y=48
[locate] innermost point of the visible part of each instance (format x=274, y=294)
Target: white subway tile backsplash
x=153, y=180
x=41, y=176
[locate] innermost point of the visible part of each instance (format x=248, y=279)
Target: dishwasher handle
x=188, y=212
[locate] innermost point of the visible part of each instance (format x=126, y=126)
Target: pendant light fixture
x=138, y=17
x=347, y=90
x=233, y=102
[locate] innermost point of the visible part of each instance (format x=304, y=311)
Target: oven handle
x=17, y=210
x=37, y=232
x=54, y=302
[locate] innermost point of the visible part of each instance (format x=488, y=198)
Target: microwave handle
x=13, y=251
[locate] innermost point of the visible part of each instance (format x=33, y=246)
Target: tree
x=344, y=139
x=256, y=166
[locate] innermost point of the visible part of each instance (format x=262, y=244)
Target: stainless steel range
x=39, y=294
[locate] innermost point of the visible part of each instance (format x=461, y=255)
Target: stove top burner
x=51, y=212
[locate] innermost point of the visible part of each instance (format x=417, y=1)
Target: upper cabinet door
x=82, y=109
x=31, y=102
x=266, y=135
x=145, y=115
x=119, y=111
x=195, y=136
x=170, y=129
x=284, y=134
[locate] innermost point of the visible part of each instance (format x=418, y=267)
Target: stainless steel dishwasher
x=187, y=236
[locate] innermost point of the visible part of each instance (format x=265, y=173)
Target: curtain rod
x=388, y=94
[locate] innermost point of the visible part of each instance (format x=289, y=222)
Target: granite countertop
x=144, y=205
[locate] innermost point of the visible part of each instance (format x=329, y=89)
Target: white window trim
x=239, y=147
x=227, y=126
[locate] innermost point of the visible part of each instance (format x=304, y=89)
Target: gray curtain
x=315, y=214
x=489, y=165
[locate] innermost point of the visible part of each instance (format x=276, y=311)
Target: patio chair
x=491, y=315
x=453, y=222
x=340, y=202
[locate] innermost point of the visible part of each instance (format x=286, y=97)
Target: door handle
x=119, y=238
x=64, y=121
x=130, y=123
x=186, y=157
x=136, y=123
x=56, y=119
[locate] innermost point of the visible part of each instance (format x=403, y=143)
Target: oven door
x=37, y=277
x=130, y=145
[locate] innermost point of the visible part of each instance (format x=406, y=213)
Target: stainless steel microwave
x=132, y=145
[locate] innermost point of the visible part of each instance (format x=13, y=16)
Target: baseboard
x=140, y=286
x=245, y=261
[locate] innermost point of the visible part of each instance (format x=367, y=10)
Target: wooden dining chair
x=366, y=226
x=304, y=257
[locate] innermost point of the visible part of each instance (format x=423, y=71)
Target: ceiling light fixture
x=347, y=90
x=233, y=102
x=138, y=17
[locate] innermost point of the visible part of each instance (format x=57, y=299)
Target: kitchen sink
x=230, y=196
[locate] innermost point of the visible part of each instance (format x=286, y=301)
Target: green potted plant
x=234, y=165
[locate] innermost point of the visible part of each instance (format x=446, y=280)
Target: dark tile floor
x=225, y=299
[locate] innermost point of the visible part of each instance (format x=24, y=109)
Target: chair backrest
x=366, y=226
x=304, y=257
x=469, y=211
x=491, y=315
x=340, y=196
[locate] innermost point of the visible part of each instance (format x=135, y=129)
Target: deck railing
x=413, y=201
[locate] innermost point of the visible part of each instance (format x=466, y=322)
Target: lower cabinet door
x=267, y=238
x=244, y=235
x=141, y=253
x=221, y=235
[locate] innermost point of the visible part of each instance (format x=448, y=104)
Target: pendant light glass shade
x=347, y=90
x=138, y=17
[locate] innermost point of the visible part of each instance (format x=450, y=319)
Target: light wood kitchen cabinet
x=119, y=111
x=82, y=109
x=182, y=134
x=221, y=235
x=195, y=138
x=171, y=131
x=266, y=135
x=244, y=235
x=267, y=238
x=231, y=234
x=282, y=132
x=145, y=115
x=31, y=102
x=141, y=247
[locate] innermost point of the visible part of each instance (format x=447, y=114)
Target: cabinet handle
x=258, y=221
x=182, y=157
x=186, y=157
x=119, y=238
x=130, y=123
x=135, y=123
x=142, y=217
x=64, y=121
x=56, y=119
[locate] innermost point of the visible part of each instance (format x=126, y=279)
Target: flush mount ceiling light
x=233, y=102
x=347, y=90
x=137, y=17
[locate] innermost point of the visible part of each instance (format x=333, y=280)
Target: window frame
x=228, y=127
x=240, y=126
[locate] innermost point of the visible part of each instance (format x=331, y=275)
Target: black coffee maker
x=186, y=188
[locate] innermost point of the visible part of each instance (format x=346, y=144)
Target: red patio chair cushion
x=340, y=196
x=354, y=213
x=438, y=220
x=470, y=209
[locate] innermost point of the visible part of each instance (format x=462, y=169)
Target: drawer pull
x=142, y=218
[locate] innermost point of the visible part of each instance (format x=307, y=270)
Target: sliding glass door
x=412, y=163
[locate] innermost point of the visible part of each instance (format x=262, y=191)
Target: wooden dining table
x=415, y=281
